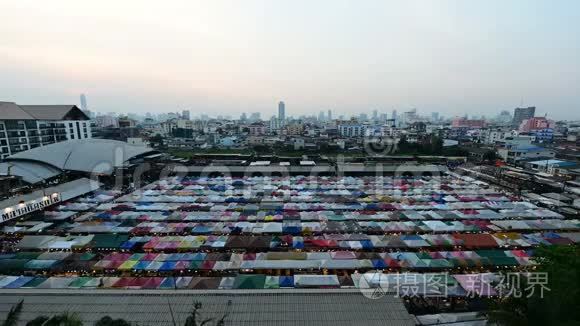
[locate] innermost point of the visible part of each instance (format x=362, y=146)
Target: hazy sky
x=228, y=57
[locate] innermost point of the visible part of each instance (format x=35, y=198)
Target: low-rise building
x=257, y=129
x=552, y=166
x=295, y=129
x=539, y=127
x=518, y=149
x=461, y=122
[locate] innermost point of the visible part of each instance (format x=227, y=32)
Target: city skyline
x=226, y=58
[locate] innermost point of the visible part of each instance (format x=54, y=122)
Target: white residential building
x=23, y=127
x=494, y=136
x=352, y=130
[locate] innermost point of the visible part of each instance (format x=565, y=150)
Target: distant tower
x=84, y=106
x=186, y=115
x=521, y=114
x=329, y=115
x=282, y=111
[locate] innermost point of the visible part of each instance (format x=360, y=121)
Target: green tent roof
x=249, y=281
x=79, y=282
x=34, y=282
x=109, y=241
x=13, y=265
x=27, y=255
x=87, y=256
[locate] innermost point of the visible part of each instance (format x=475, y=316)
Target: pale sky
x=228, y=57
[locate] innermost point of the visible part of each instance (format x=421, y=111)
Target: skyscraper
x=434, y=116
x=84, y=106
x=185, y=114
x=521, y=114
x=282, y=111
x=329, y=115
x=255, y=116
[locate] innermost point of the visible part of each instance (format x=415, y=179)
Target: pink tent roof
x=153, y=282
x=150, y=256
x=343, y=255
x=181, y=265
x=123, y=282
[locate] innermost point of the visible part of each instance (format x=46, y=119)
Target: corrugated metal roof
x=67, y=191
x=247, y=307
x=30, y=172
x=11, y=111
x=49, y=112
x=86, y=155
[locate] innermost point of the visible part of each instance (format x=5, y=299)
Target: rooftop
x=558, y=163
x=167, y=307
x=67, y=191
x=86, y=155
x=13, y=111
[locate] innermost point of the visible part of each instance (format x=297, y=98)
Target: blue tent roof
x=286, y=281
x=167, y=266
x=22, y=280
x=168, y=283
x=141, y=265
x=379, y=264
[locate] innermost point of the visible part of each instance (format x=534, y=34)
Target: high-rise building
x=244, y=117
x=321, y=116
x=434, y=116
x=255, y=116
x=521, y=114
x=186, y=114
x=375, y=115
x=282, y=111
x=329, y=115
x=84, y=105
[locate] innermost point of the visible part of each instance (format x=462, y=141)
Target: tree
x=403, y=145
x=192, y=319
x=157, y=140
x=108, y=321
x=195, y=319
x=64, y=319
x=13, y=315
x=262, y=149
x=38, y=321
x=490, y=156
x=556, y=306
